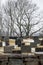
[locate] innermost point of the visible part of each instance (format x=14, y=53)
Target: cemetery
x=21, y=51
x=21, y=32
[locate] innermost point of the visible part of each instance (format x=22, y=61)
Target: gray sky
x=39, y=3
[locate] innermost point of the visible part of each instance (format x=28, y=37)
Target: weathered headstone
x=33, y=44
x=0, y=44
x=39, y=49
x=36, y=40
x=8, y=49
x=31, y=61
x=3, y=60
x=18, y=42
x=41, y=59
x=25, y=48
x=15, y=62
x=42, y=42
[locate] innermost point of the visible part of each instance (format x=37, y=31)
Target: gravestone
x=3, y=60
x=39, y=49
x=33, y=44
x=34, y=62
x=6, y=39
x=0, y=44
x=41, y=59
x=36, y=40
x=25, y=48
x=31, y=61
x=41, y=42
x=0, y=41
x=8, y=49
x=15, y=62
x=18, y=42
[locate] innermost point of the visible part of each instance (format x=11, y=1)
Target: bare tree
x=0, y=21
x=41, y=31
x=26, y=17
x=20, y=17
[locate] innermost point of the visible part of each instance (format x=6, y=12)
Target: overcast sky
x=39, y=3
